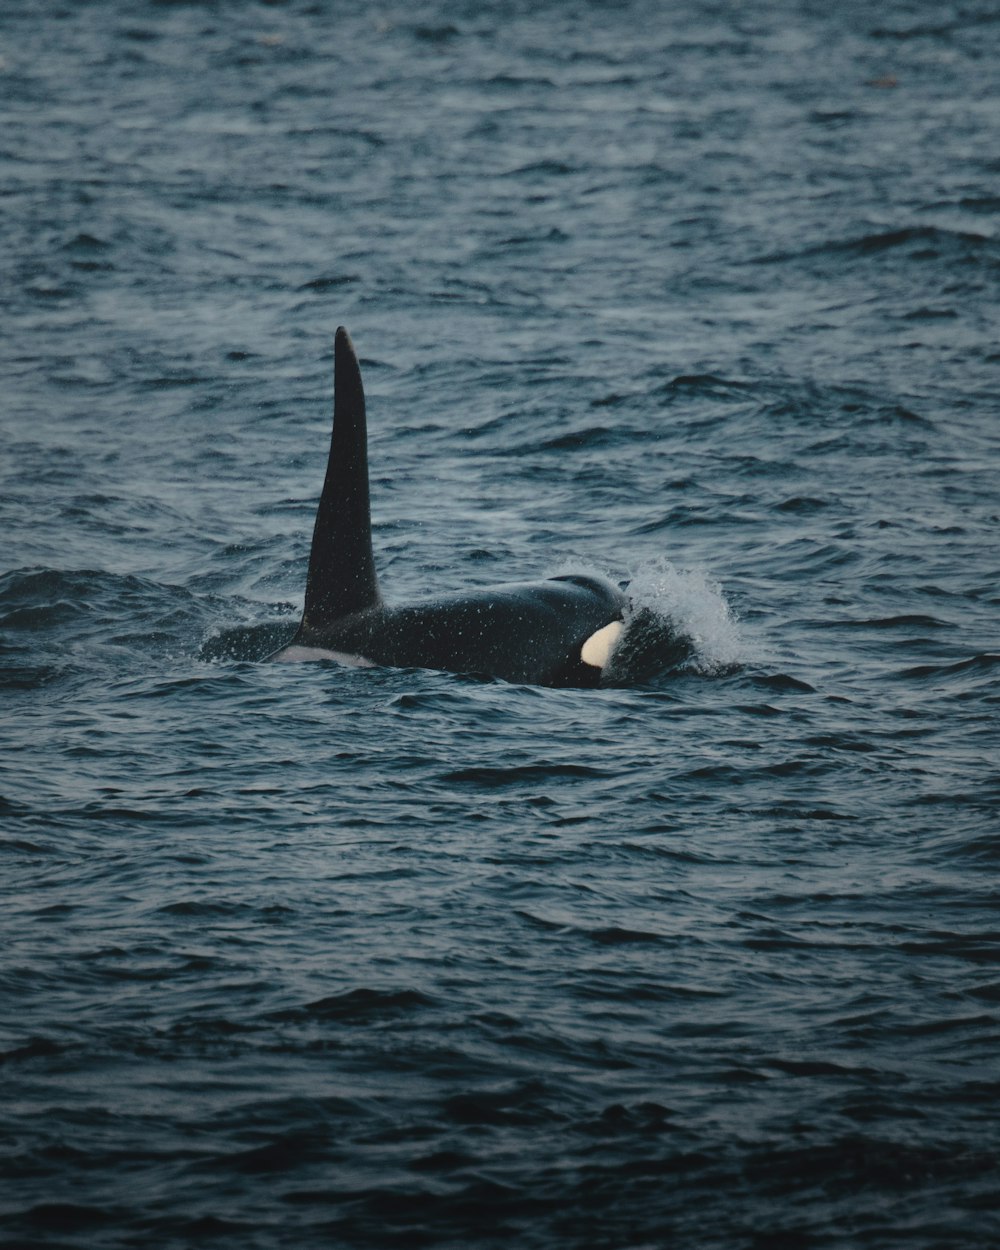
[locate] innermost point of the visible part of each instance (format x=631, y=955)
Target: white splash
x=694, y=607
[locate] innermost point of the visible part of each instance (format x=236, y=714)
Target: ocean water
x=699, y=295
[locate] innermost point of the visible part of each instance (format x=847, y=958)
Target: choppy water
x=703, y=295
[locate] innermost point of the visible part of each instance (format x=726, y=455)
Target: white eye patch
x=596, y=651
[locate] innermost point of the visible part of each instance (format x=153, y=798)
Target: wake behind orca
x=557, y=632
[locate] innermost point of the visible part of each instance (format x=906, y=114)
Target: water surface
x=701, y=296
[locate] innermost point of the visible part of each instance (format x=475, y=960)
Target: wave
x=248, y=643
x=977, y=664
x=920, y=242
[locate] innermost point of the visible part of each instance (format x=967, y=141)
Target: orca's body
x=558, y=632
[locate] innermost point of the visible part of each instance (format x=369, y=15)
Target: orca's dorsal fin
x=342, y=576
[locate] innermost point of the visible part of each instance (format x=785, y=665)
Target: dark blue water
x=700, y=295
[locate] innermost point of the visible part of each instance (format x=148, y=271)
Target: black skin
x=522, y=632
x=527, y=632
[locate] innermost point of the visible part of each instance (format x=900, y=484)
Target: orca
x=557, y=632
